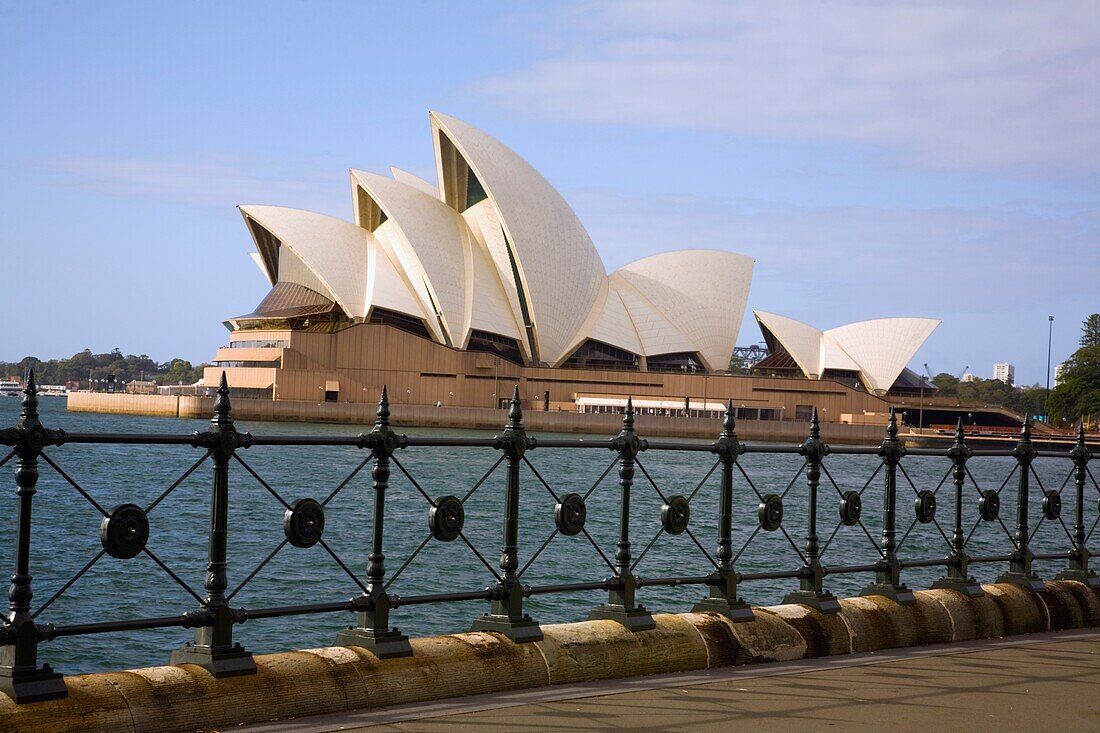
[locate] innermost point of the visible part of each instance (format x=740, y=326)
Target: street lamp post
x=1046, y=403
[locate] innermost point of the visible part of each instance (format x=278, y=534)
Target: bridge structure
x=213, y=680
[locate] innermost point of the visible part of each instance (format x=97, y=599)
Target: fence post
x=888, y=568
x=214, y=648
x=1079, y=554
x=506, y=613
x=620, y=604
x=958, y=564
x=723, y=582
x=373, y=630
x=812, y=575
x=1019, y=569
x=22, y=678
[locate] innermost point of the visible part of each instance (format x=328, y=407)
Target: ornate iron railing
x=124, y=530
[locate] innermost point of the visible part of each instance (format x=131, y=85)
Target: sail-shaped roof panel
x=560, y=271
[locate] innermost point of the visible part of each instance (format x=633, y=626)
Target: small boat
x=10, y=389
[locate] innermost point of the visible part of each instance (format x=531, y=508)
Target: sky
x=903, y=159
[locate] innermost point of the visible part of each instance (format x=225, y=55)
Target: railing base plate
x=384, y=645
x=34, y=685
x=635, y=619
x=1031, y=581
x=967, y=586
x=736, y=611
x=897, y=593
x=818, y=600
x=520, y=631
x=1087, y=577
x=232, y=661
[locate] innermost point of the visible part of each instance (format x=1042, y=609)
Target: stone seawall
x=335, y=679
x=474, y=418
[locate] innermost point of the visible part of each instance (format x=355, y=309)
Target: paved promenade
x=1036, y=682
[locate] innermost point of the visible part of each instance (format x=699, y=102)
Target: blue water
x=66, y=530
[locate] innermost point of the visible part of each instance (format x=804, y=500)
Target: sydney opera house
x=450, y=293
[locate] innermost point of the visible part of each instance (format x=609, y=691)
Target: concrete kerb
x=336, y=679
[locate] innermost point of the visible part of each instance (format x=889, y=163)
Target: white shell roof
x=802, y=341
x=878, y=349
x=333, y=250
x=415, y=181
x=427, y=257
x=340, y=260
x=431, y=242
x=559, y=266
x=882, y=347
x=702, y=291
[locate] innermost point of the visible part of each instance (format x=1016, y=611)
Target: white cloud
x=211, y=181
x=941, y=85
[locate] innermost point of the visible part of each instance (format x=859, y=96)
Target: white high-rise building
x=1059, y=373
x=968, y=377
x=1004, y=372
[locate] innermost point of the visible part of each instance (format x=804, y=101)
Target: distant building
x=1059, y=373
x=1005, y=372
x=968, y=377
x=137, y=386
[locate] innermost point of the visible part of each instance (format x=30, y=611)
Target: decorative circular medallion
x=304, y=523
x=569, y=514
x=675, y=515
x=446, y=518
x=124, y=531
x=925, y=506
x=851, y=507
x=989, y=506
x=770, y=512
x=1052, y=505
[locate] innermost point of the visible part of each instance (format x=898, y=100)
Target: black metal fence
x=124, y=530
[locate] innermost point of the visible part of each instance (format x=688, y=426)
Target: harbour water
x=66, y=530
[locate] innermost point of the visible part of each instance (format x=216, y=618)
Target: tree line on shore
x=84, y=367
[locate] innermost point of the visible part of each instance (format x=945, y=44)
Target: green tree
x=946, y=383
x=1078, y=396
x=1090, y=331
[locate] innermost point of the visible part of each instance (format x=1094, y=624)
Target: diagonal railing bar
x=665, y=500
x=415, y=483
x=916, y=492
x=1000, y=521
x=610, y=565
x=862, y=526
x=343, y=567
x=343, y=484
x=408, y=561
x=171, y=574
x=556, y=530
x=642, y=554
x=1043, y=516
x=652, y=483
x=542, y=481
x=175, y=484
x=7, y=458
x=874, y=473
x=1092, y=478
x=60, y=591
x=794, y=545
x=704, y=480
x=702, y=549
x=74, y=484
x=790, y=540
x=261, y=482
x=1092, y=529
x=745, y=546
x=481, y=480
x=258, y=568
x=486, y=563
x=594, y=486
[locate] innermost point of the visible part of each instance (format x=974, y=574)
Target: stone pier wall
x=334, y=679
x=411, y=416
